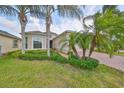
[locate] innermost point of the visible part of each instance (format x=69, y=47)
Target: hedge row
x=88, y=63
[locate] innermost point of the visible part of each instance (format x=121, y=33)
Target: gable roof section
x=38, y=32
x=4, y=33
x=67, y=31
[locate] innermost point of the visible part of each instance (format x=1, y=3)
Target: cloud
x=10, y=25
x=91, y=9
x=66, y=24
x=33, y=24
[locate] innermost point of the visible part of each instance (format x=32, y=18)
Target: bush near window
x=38, y=55
x=87, y=63
x=29, y=56
x=36, y=51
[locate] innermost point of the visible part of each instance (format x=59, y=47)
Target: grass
x=119, y=54
x=20, y=73
x=115, y=53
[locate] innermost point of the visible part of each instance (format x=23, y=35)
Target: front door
x=50, y=43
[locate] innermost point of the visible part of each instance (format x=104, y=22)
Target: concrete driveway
x=115, y=62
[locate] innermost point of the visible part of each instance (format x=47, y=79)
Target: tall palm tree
x=106, y=25
x=62, y=10
x=21, y=11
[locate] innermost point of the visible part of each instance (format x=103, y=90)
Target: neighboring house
x=37, y=40
x=59, y=40
x=8, y=42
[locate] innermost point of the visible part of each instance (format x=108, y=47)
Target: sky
x=11, y=24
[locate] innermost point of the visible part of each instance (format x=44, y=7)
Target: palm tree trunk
x=75, y=51
x=23, y=37
x=48, y=35
x=93, y=45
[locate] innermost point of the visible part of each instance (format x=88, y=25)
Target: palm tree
x=63, y=10
x=109, y=7
x=21, y=11
x=84, y=40
x=70, y=43
x=106, y=26
x=84, y=36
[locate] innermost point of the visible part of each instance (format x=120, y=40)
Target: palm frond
x=8, y=10
x=109, y=7
x=63, y=45
x=69, y=11
x=36, y=11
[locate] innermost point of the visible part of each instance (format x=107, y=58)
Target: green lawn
x=19, y=73
x=119, y=54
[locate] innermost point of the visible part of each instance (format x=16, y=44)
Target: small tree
x=84, y=40
x=70, y=43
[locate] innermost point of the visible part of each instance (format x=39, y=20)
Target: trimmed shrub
x=38, y=55
x=36, y=51
x=88, y=63
x=57, y=57
x=75, y=62
x=14, y=54
x=33, y=57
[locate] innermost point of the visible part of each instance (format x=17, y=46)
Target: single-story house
x=33, y=40
x=37, y=40
x=8, y=42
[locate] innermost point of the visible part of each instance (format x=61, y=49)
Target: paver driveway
x=115, y=62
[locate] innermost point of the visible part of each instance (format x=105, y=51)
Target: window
x=15, y=43
x=26, y=42
x=37, y=41
x=37, y=44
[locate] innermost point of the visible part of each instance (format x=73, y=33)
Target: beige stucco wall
x=6, y=44
x=43, y=38
x=57, y=42
x=29, y=36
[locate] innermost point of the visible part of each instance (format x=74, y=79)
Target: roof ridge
x=8, y=34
